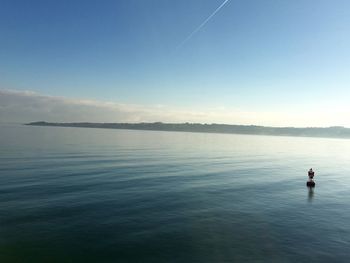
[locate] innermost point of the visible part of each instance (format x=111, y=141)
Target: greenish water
x=94, y=195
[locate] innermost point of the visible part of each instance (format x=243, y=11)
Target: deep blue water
x=94, y=195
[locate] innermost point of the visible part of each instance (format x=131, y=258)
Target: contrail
x=202, y=25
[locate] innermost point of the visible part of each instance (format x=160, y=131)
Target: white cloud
x=27, y=106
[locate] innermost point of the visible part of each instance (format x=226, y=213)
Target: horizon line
x=188, y=123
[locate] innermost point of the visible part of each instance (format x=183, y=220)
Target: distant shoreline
x=330, y=132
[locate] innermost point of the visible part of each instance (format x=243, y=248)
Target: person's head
x=310, y=169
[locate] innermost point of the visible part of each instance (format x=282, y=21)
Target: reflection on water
x=311, y=193
x=94, y=195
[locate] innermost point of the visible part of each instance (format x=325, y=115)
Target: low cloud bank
x=27, y=106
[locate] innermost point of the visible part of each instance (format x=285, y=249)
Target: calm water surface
x=94, y=195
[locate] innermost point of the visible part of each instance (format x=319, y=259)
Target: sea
x=107, y=195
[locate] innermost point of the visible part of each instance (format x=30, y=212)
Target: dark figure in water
x=311, y=182
x=311, y=174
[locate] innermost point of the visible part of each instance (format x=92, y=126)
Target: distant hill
x=330, y=132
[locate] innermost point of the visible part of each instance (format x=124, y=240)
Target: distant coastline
x=329, y=132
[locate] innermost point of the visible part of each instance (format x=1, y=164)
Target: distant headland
x=329, y=132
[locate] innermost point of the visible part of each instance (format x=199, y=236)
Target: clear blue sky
x=252, y=55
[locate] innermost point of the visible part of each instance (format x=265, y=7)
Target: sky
x=271, y=62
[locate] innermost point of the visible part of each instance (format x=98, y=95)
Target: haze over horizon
x=271, y=63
